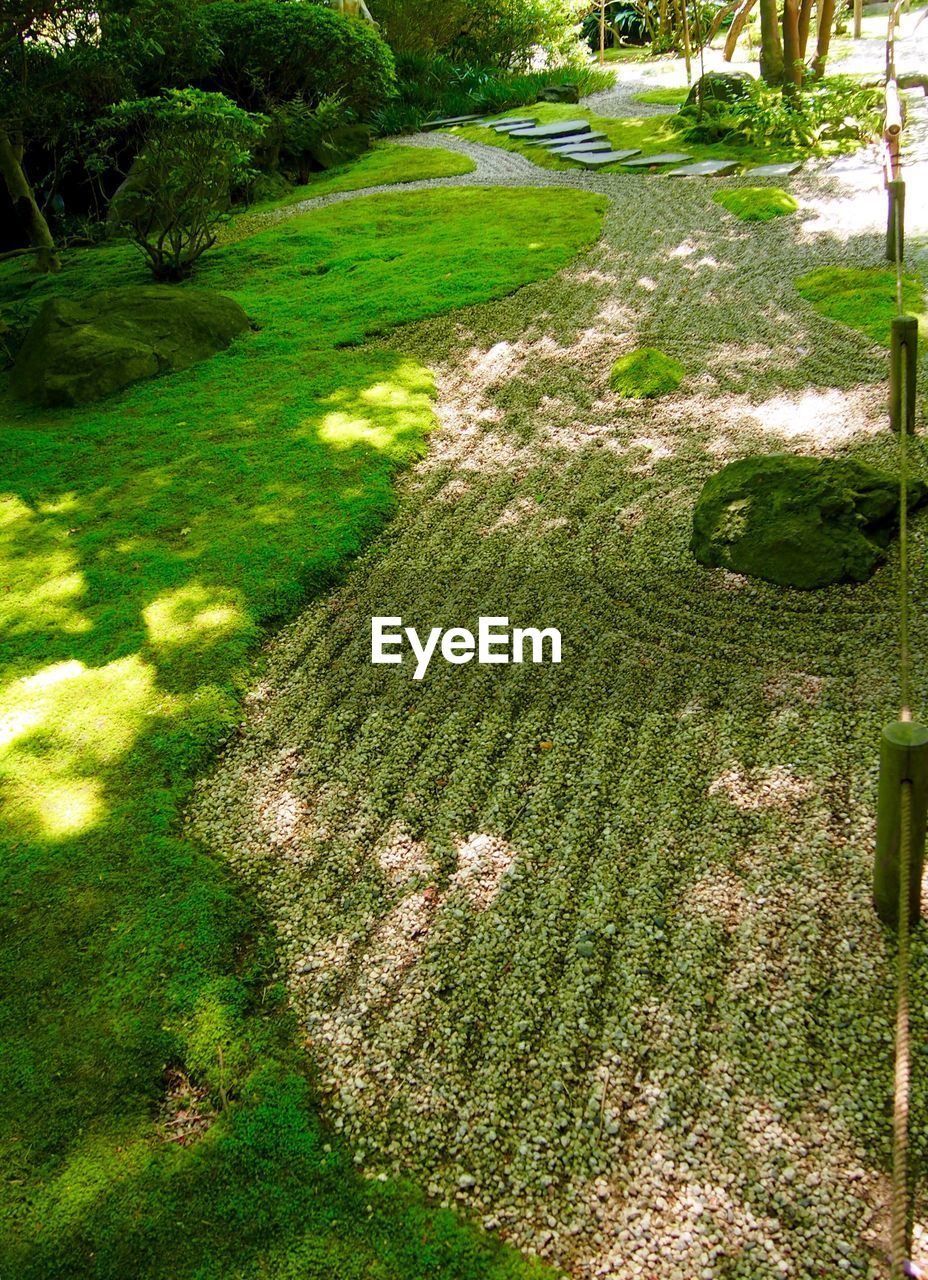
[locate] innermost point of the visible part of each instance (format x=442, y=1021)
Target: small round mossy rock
x=78, y=352
x=646, y=374
x=798, y=522
x=756, y=204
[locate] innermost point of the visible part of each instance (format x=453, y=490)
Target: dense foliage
x=505, y=34
x=272, y=53
x=833, y=110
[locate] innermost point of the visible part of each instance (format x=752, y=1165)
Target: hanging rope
x=901, y=1267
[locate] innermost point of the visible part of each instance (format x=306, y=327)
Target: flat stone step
x=662, y=157
x=774, y=170
x=705, y=169
x=449, y=121
x=592, y=142
x=576, y=142
x=593, y=159
x=557, y=129
x=505, y=126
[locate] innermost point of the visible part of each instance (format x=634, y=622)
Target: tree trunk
x=826, y=20
x=25, y=207
x=805, y=20
x=737, y=26
x=771, y=49
x=792, y=66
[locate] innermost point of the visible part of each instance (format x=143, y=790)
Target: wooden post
x=602, y=32
x=858, y=17
x=895, y=219
x=903, y=758
x=903, y=367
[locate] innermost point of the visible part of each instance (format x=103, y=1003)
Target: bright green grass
x=650, y=134
x=143, y=542
x=756, y=204
x=664, y=97
x=863, y=298
x=384, y=164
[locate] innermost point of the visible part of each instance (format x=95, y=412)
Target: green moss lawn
x=144, y=543
x=384, y=163
x=864, y=298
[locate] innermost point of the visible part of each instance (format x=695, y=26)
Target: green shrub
x=503, y=34
x=196, y=148
x=756, y=204
x=646, y=374
x=274, y=53
x=834, y=111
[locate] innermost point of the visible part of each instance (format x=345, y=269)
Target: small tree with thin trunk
x=197, y=147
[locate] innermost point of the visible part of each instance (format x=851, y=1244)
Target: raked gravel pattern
x=587, y=950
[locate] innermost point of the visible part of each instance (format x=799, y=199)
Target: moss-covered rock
x=645, y=374
x=560, y=93
x=719, y=86
x=756, y=204
x=77, y=352
x=798, y=522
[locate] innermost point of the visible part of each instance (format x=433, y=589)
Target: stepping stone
x=774, y=170
x=662, y=157
x=449, y=122
x=599, y=144
x=593, y=159
x=573, y=140
x=705, y=169
x=559, y=129
x=504, y=126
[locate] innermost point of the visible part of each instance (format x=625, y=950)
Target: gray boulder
x=78, y=352
x=798, y=522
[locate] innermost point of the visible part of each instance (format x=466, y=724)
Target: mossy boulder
x=78, y=352
x=719, y=87
x=798, y=522
x=560, y=93
x=645, y=374
x=756, y=204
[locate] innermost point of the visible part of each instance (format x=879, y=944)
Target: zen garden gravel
x=588, y=950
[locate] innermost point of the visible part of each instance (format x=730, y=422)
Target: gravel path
x=588, y=950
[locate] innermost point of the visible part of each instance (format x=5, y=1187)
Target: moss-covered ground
x=384, y=163
x=864, y=298
x=144, y=542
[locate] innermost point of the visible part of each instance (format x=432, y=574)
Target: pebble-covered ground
x=588, y=949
